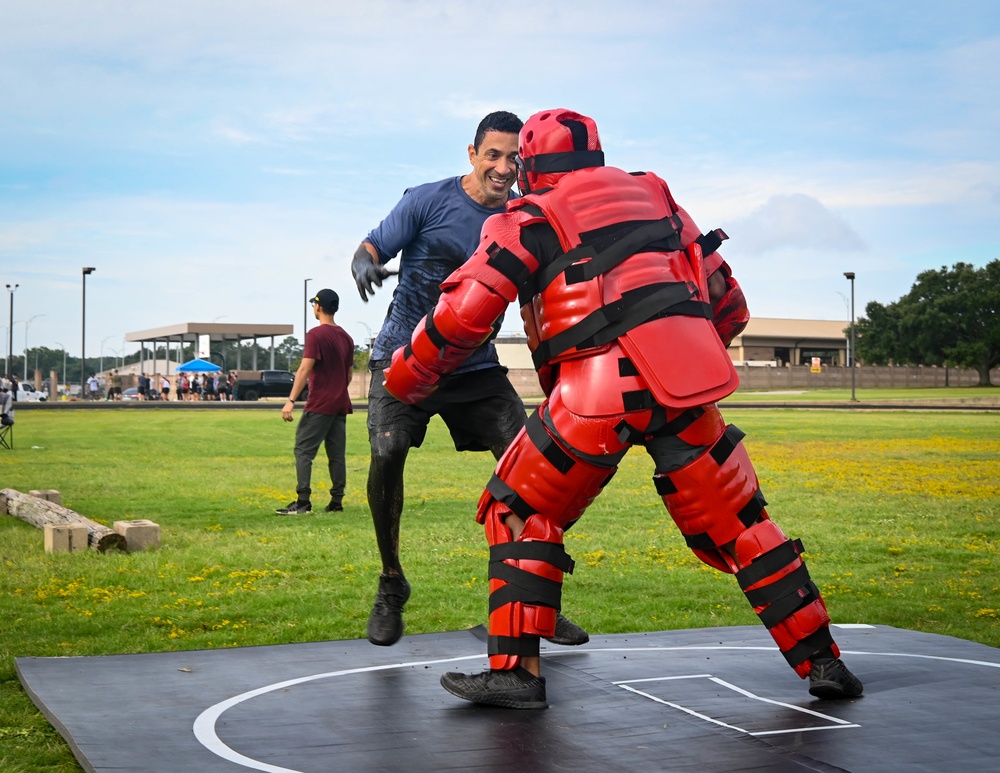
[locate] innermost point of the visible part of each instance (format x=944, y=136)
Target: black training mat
x=715, y=699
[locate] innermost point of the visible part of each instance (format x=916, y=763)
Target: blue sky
x=208, y=157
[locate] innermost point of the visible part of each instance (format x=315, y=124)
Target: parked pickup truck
x=266, y=383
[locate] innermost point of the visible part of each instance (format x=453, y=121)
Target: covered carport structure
x=203, y=335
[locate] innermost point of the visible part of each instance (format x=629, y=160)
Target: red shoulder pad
x=500, y=262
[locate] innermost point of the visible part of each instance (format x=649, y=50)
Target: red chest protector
x=629, y=275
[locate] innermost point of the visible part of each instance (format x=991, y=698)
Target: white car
x=26, y=393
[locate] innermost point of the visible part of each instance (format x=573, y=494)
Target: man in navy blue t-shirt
x=435, y=228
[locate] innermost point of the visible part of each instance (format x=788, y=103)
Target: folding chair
x=7, y=436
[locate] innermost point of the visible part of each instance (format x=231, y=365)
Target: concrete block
x=65, y=537
x=49, y=494
x=139, y=534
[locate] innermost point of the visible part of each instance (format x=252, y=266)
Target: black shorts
x=481, y=409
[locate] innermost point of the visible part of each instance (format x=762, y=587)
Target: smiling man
x=435, y=228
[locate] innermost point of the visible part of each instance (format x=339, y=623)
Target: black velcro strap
x=507, y=263
x=751, y=511
x=630, y=239
x=548, y=447
x=501, y=492
x=524, y=587
x=726, y=444
x=546, y=163
x=766, y=565
x=549, y=552
x=678, y=424
x=805, y=649
x=609, y=322
x=638, y=400
x=711, y=241
x=524, y=646
x=628, y=434
x=626, y=367
x=434, y=334
x=779, y=610
x=664, y=486
x=784, y=586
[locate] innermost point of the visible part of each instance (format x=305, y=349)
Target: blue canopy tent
x=197, y=366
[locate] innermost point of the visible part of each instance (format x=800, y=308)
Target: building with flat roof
x=202, y=335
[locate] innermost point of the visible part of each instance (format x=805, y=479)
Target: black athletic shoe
x=295, y=508
x=830, y=679
x=385, y=624
x=517, y=689
x=568, y=633
x=333, y=507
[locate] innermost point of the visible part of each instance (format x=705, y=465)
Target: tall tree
x=950, y=316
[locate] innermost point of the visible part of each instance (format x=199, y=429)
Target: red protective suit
x=612, y=279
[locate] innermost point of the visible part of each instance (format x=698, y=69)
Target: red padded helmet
x=552, y=143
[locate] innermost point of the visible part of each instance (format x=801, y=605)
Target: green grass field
x=899, y=512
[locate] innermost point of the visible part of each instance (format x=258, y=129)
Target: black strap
x=726, y=444
x=524, y=646
x=501, y=492
x=549, y=552
x=548, y=447
x=522, y=586
x=779, y=610
x=780, y=588
x=631, y=239
x=546, y=163
x=772, y=561
x=507, y=263
x=711, y=241
x=615, y=319
x=805, y=649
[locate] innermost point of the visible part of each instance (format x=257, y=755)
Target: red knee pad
x=715, y=498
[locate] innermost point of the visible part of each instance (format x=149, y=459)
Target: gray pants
x=313, y=429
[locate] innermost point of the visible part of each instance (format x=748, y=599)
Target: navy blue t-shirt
x=436, y=227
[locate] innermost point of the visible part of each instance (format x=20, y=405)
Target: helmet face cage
x=522, y=176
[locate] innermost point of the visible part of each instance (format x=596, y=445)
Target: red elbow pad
x=407, y=380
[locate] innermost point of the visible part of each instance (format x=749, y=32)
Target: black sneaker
x=385, y=624
x=830, y=679
x=334, y=507
x=295, y=508
x=568, y=633
x=517, y=689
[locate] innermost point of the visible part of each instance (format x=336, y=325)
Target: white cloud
x=794, y=221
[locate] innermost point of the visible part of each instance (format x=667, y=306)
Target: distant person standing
x=327, y=367
x=165, y=387
x=92, y=386
x=116, y=385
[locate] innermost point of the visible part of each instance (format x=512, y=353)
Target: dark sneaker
x=517, y=689
x=295, y=508
x=334, y=507
x=385, y=624
x=830, y=679
x=568, y=633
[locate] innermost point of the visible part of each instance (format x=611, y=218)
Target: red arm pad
x=730, y=313
x=407, y=380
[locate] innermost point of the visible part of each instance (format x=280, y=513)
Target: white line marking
x=204, y=725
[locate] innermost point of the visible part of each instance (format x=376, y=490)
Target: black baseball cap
x=328, y=300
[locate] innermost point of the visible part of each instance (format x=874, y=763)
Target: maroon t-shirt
x=333, y=350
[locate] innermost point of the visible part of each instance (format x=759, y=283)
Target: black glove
x=367, y=274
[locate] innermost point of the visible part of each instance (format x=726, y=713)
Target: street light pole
x=853, y=354
x=26, y=326
x=64, y=370
x=10, y=330
x=102, y=352
x=83, y=332
x=305, y=309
